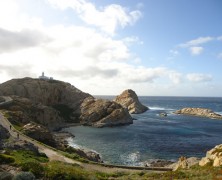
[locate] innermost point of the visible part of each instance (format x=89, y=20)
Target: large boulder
x=202, y=112
x=129, y=100
x=213, y=157
x=39, y=133
x=184, y=163
x=101, y=113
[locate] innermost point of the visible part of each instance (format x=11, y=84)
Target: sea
x=152, y=137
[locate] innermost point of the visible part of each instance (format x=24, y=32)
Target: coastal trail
x=54, y=154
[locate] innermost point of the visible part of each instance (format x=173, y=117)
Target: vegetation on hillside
x=39, y=165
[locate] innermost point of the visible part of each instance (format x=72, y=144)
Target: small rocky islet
x=201, y=112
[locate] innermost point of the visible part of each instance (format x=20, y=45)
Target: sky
x=155, y=47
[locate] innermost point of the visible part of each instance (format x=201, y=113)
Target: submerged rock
x=163, y=114
x=202, y=112
x=129, y=100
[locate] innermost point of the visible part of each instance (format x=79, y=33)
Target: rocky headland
x=129, y=100
x=201, y=112
x=55, y=103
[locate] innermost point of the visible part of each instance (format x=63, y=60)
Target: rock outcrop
x=184, y=163
x=22, y=110
x=201, y=112
x=213, y=157
x=129, y=100
x=39, y=133
x=4, y=134
x=53, y=103
x=101, y=113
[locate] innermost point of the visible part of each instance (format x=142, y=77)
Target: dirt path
x=53, y=154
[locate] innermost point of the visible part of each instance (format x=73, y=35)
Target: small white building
x=45, y=77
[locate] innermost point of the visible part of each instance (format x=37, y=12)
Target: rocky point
x=129, y=100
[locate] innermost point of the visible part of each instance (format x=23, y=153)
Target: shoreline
x=64, y=135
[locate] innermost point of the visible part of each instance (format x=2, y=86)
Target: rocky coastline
x=42, y=108
x=53, y=103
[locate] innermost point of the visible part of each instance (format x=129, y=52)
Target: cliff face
x=202, y=112
x=129, y=100
x=22, y=110
x=53, y=103
x=100, y=113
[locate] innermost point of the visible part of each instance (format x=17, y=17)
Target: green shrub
x=6, y=159
x=22, y=156
x=33, y=166
x=24, y=176
x=58, y=170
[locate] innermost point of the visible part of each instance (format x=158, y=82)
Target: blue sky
x=155, y=47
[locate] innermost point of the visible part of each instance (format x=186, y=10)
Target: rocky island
x=129, y=100
x=201, y=112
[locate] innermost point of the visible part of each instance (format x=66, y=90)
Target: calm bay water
x=153, y=137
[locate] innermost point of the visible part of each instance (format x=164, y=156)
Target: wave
x=132, y=159
x=160, y=108
x=219, y=113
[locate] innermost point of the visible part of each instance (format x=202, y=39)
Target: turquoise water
x=153, y=137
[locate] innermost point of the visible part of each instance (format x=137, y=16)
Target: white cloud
x=196, y=77
x=175, y=77
x=197, y=50
x=196, y=42
x=133, y=39
x=108, y=18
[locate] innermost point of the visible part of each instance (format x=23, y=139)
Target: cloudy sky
x=155, y=47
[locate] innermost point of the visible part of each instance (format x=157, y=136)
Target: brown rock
x=53, y=103
x=129, y=100
x=184, y=163
x=202, y=112
x=213, y=156
x=48, y=93
x=101, y=113
x=22, y=110
x=39, y=133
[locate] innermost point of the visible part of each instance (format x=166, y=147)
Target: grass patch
x=63, y=171
x=6, y=159
x=22, y=156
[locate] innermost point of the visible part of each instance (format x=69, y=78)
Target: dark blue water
x=154, y=137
